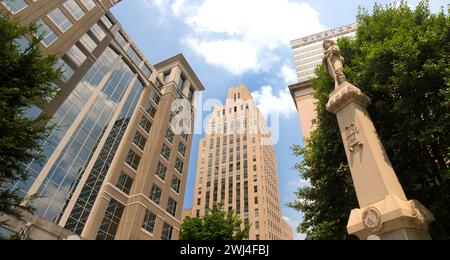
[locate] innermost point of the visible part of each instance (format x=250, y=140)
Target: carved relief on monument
x=351, y=133
x=371, y=219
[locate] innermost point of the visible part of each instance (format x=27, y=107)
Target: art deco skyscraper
x=115, y=166
x=237, y=167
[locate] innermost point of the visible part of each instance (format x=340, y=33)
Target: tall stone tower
x=237, y=167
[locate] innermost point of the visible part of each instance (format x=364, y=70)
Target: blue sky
x=228, y=42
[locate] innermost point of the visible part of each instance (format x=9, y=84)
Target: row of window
x=155, y=196
x=59, y=18
x=72, y=7
x=133, y=160
x=150, y=223
x=61, y=21
x=132, y=53
x=89, y=41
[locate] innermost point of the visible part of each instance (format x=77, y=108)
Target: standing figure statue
x=334, y=62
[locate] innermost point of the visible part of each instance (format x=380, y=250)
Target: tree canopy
x=217, y=225
x=400, y=58
x=26, y=81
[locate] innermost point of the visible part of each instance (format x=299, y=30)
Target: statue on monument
x=384, y=210
x=334, y=62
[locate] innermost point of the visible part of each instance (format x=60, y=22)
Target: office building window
x=182, y=82
x=155, y=194
x=147, y=71
x=15, y=5
x=139, y=140
x=161, y=171
x=134, y=56
x=76, y=55
x=179, y=165
x=133, y=159
x=182, y=148
x=66, y=70
x=150, y=108
x=89, y=4
x=191, y=95
x=121, y=40
x=176, y=184
x=88, y=42
x=22, y=43
x=74, y=9
x=111, y=220
x=60, y=20
x=149, y=221
x=98, y=32
x=257, y=224
x=165, y=152
x=256, y=200
x=145, y=124
x=48, y=35
x=167, y=76
x=166, y=232
x=108, y=24
x=170, y=135
x=172, y=207
x=124, y=183
x=155, y=96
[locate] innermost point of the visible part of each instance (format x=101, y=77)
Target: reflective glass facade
x=97, y=175
x=99, y=164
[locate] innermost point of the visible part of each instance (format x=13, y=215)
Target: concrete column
x=384, y=209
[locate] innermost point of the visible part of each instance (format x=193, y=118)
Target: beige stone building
x=116, y=166
x=308, y=54
x=237, y=167
x=287, y=232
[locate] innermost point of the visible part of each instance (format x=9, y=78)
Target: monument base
x=391, y=219
x=407, y=234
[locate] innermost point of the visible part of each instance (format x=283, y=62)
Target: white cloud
x=251, y=28
x=288, y=74
x=269, y=103
x=233, y=55
x=160, y=4
x=168, y=7
x=300, y=183
x=177, y=7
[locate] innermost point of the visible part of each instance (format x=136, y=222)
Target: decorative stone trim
x=423, y=217
x=344, y=95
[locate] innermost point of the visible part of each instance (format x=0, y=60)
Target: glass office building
x=112, y=111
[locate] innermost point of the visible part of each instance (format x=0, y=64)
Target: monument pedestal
x=384, y=209
x=391, y=219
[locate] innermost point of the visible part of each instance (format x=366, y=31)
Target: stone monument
x=384, y=209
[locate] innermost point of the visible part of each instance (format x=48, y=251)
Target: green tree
x=26, y=77
x=217, y=225
x=400, y=58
